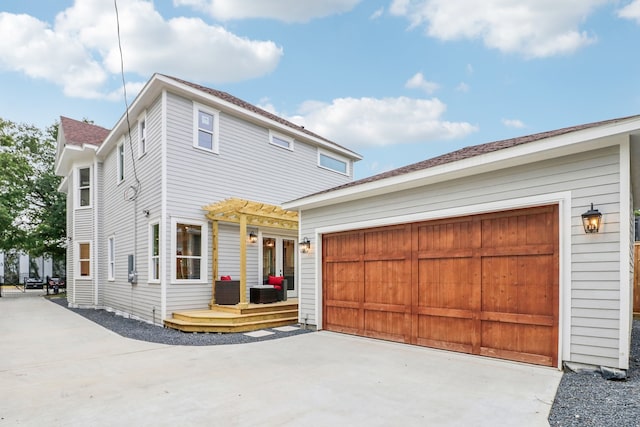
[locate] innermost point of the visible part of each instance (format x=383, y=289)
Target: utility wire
x=126, y=104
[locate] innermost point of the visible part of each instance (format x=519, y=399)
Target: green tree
x=32, y=211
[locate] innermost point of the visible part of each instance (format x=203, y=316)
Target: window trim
x=120, y=159
x=197, y=108
x=336, y=157
x=142, y=135
x=204, y=237
x=79, y=189
x=111, y=258
x=78, y=268
x=281, y=137
x=152, y=279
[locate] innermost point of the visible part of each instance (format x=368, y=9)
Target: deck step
x=209, y=316
x=187, y=326
x=231, y=318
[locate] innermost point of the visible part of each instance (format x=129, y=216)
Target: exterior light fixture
x=591, y=220
x=305, y=245
x=253, y=237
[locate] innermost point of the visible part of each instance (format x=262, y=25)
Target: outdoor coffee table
x=263, y=295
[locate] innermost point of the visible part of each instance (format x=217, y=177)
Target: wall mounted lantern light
x=591, y=220
x=253, y=237
x=305, y=245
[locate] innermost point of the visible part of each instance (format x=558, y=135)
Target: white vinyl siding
x=247, y=167
x=590, y=177
x=127, y=221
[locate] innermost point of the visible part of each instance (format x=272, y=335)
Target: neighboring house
x=16, y=266
x=483, y=250
x=135, y=197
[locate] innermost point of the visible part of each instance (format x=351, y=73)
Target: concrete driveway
x=59, y=369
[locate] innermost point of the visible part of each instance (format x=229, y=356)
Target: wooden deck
x=229, y=318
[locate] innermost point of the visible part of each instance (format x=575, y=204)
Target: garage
x=482, y=284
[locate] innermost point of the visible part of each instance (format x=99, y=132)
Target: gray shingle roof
x=473, y=151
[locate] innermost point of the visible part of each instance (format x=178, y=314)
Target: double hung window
x=84, y=187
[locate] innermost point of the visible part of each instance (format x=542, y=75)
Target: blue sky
x=398, y=81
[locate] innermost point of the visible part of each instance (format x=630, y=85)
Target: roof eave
x=583, y=140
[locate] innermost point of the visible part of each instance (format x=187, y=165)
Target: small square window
x=281, y=140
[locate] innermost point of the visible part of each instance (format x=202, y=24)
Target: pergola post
x=243, y=261
x=214, y=263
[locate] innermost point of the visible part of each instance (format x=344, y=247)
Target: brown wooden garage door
x=483, y=284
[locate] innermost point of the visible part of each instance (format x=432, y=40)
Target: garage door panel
x=448, y=283
x=508, y=339
x=514, y=229
x=343, y=281
x=342, y=319
x=518, y=284
x=446, y=333
x=438, y=236
x=387, y=282
x=387, y=325
x=387, y=240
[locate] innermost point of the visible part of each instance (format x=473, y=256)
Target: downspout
x=95, y=246
x=164, y=259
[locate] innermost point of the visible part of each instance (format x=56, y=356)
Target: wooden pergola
x=245, y=213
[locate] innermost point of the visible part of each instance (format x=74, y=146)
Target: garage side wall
x=591, y=177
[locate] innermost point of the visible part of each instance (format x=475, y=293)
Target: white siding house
x=568, y=169
x=180, y=147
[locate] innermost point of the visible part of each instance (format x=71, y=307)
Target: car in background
x=33, y=283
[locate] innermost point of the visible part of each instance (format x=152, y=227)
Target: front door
x=279, y=259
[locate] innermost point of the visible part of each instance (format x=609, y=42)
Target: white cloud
x=418, y=82
x=631, y=11
x=281, y=10
x=513, y=123
x=80, y=50
x=360, y=122
x=532, y=28
x=462, y=87
x=377, y=14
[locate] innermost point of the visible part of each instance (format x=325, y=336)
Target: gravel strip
x=583, y=399
x=143, y=331
x=587, y=399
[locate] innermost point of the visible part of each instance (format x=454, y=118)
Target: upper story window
x=280, y=140
x=121, y=162
x=333, y=162
x=142, y=135
x=205, y=128
x=84, y=187
x=189, y=241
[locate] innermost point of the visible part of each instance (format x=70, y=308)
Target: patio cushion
x=276, y=280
